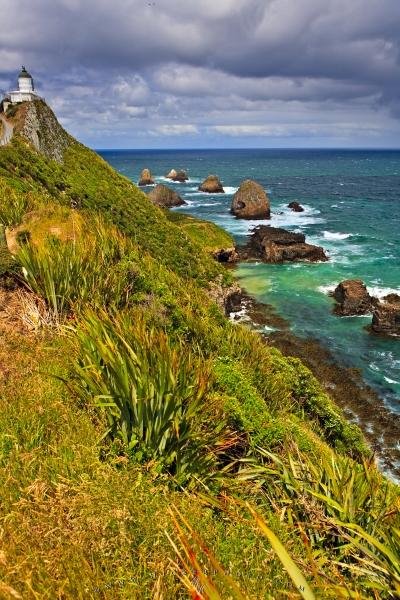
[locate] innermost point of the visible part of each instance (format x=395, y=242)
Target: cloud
x=176, y=130
x=117, y=71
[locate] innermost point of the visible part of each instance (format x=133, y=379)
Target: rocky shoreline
x=360, y=403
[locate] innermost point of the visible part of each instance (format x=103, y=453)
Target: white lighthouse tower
x=26, y=88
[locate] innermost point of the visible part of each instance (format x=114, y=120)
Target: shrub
x=155, y=397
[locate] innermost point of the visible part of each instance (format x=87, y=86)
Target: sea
x=352, y=208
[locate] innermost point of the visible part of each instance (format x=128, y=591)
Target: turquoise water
x=352, y=202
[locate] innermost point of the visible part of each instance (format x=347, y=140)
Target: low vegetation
x=150, y=448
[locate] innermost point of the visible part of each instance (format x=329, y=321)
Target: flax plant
x=155, y=397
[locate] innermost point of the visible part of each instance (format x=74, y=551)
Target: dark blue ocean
x=352, y=209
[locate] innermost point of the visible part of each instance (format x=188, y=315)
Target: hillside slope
x=148, y=446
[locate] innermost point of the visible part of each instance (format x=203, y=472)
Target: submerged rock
x=275, y=245
x=386, y=316
x=212, y=185
x=295, y=207
x=352, y=298
x=251, y=201
x=146, y=178
x=165, y=197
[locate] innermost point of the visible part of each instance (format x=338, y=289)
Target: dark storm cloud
x=159, y=59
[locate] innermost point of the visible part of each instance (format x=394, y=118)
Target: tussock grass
x=156, y=398
x=85, y=270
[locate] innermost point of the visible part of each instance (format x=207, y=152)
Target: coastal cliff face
x=153, y=391
x=38, y=125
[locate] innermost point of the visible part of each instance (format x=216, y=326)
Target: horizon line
x=372, y=148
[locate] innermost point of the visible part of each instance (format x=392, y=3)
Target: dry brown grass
x=22, y=311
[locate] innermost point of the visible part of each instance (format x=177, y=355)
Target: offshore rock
x=295, y=207
x=163, y=196
x=386, y=316
x=146, y=178
x=251, y=201
x=180, y=176
x=352, y=298
x=212, y=185
x=226, y=255
x=275, y=245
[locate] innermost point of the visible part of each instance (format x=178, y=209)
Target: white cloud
x=175, y=130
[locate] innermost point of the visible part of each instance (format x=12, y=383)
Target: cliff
x=131, y=407
x=38, y=125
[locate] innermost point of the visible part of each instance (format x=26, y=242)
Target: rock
x=386, y=316
x=275, y=245
x=226, y=255
x=295, y=207
x=146, y=178
x=165, y=197
x=250, y=201
x=212, y=185
x=181, y=176
x=38, y=125
x=228, y=298
x=352, y=298
x=392, y=298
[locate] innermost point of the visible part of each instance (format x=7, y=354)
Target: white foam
x=230, y=190
x=327, y=289
x=388, y=380
x=195, y=204
x=333, y=236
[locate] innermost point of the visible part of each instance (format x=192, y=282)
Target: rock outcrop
x=251, y=201
x=228, y=298
x=295, y=206
x=179, y=176
x=226, y=255
x=275, y=245
x=165, y=197
x=212, y=185
x=352, y=298
x=36, y=122
x=386, y=316
x=146, y=178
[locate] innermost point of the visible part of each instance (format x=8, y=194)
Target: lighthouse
x=26, y=89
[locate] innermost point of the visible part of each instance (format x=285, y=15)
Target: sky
x=211, y=73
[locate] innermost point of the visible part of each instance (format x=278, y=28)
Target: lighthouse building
x=25, y=91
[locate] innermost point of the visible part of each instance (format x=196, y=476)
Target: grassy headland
x=150, y=448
